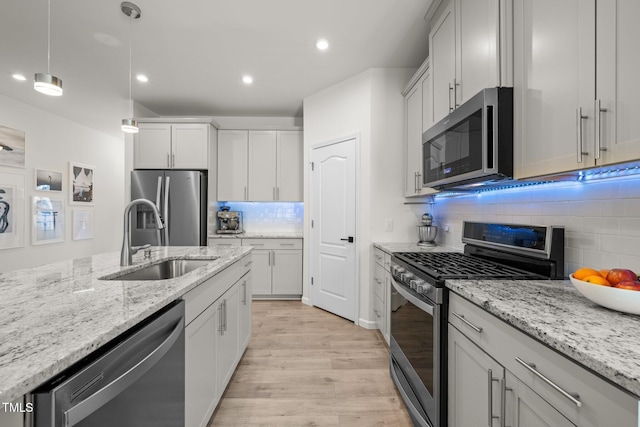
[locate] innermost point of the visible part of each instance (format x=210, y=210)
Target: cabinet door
x=554, y=59
x=477, y=53
x=524, y=408
x=289, y=166
x=227, y=335
x=245, y=312
x=201, y=395
x=261, y=272
x=413, y=114
x=618, y=86
x=474, y=384
x=262, y=166
x=232, y=165
x=442, y=48
x=152, y=146
x=287, y=272
x=190, y=146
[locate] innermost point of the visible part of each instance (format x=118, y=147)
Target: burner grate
x=455, y=265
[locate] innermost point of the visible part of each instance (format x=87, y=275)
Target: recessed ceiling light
x=247, y=79
x=322, y=44
x=142, y=78
x=19, y=77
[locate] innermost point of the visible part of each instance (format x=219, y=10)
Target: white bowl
x=616, y=299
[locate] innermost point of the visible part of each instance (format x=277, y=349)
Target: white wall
x=369, y=104
x=51, y=142
x=601, y=218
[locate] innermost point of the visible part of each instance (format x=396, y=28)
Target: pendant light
x=45, y=82
x=130, y=125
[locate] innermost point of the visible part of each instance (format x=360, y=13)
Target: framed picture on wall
x=47, y=224
x=81, y=184
x=82, y=224
x=12, y=218
x=12, y=147
x=48, y=180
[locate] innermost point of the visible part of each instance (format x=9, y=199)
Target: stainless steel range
x=418, y=362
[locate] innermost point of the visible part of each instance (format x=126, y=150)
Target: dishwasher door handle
x=82, y=410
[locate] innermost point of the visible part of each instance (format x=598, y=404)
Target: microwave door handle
x=491, y=138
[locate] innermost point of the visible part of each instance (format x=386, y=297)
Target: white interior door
x=333, y=215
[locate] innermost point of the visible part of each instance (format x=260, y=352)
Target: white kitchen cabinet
x=383, y=294
x=218, y=328
x=289, y=166
x=539, y=386
x=172, y=146
x=260, y=165
x=554, y=60
x=418, y=118
x=617, y=84
x=469, y=47
x=277, y=267
x=233, y=151
x=201, y=391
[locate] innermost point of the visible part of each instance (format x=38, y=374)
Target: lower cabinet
x=383, y=294
x=499, y=376
x=218, y=318
x=277, y=267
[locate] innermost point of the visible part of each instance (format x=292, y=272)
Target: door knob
x=348, y=239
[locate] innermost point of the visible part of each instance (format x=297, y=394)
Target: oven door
x=416, y=344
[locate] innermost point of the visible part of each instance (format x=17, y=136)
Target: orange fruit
x=597, y=279
x=604, y=272
x=584, y=272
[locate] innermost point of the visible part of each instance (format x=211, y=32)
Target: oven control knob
x=406, y=277
x=423, y=288
x=415, y=283
x=396, y=270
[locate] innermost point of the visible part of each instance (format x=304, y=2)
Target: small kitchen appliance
x=418, y=341
x=427, y=232
x=229, y=222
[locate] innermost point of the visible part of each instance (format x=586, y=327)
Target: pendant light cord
x=49, y=38
x=130, y=37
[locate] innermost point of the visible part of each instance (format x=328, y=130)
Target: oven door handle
x=412, y=299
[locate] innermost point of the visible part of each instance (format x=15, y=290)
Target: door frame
x=356, y=137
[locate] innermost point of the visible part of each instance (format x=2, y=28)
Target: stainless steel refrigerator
x=181, y=198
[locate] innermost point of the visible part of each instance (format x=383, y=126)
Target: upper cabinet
x=576, y=91
x=418, y=118
x=469, y=47
x=260, y=165
x=172, y=146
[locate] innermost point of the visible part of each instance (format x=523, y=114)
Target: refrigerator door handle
x=165, y=216
x=157, y=202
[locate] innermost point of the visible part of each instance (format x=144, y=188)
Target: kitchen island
x=54, y=315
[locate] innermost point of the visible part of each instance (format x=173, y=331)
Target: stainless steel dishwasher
x=135, y=380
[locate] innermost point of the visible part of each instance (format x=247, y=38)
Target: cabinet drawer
x=273, y=243
x=378, y=255
x=224, y=242
x=378, y=311
x=198, y=299
x=378, y=281
x=387, y=262
x=602, y=403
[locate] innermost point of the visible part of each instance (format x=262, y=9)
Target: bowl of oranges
x=617, y=289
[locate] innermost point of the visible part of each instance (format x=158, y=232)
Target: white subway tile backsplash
x=270, y=217
x=601, y=218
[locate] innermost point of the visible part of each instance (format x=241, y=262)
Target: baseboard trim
x=305, y=300
x=367, y=324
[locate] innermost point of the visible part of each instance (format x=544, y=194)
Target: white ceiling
x=196, y=51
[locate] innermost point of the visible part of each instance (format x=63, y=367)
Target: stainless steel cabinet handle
x=168, y=161
x=419, y=182
x=490, y=381
x=469, y=324
x=220, y=320
x=579, y=118
x=503, y=400
x=244, y=293
x=248, y=263
x=598, y=110
x=573, y=397
x=173, y=160
x=455, y=94
x=245, y=193
x=450, y=91
x=225, y=315
x=274, y=193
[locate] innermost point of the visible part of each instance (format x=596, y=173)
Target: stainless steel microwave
x=473, y=145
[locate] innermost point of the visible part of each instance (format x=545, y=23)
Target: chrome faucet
x=127, y=250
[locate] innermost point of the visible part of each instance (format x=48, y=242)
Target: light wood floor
x=307, y=367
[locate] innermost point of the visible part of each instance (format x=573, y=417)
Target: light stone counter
x=53, y=315
x=554, y=313
x=258, y=235
x=391, y=247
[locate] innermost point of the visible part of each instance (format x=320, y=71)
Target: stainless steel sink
x=168, y=269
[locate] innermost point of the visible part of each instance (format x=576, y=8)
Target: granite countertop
x=53, y=315
x=553, y=312
x=391, y=247
x=259, y=235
